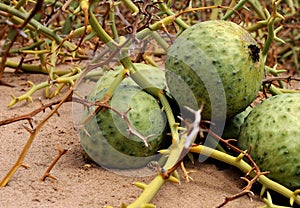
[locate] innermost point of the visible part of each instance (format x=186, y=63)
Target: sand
x=82, y=184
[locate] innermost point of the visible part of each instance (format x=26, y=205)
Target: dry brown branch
x=29, y=116
x=256, y=170
x=61, y=152
x=286, y=78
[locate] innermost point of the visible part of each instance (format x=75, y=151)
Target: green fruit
x=218, y=63
x=273, y=130
x=106, y=139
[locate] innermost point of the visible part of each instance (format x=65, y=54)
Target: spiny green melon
x=273, y=130
x=215, y=62
x=106, y=139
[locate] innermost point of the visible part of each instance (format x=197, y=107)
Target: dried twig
x=61, y=152
x=29, y=116
x=247, y=189
x=287, y=78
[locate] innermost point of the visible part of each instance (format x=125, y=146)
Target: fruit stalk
x=135, y=75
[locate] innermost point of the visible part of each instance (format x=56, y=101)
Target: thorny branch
x=102, y=104
x=29, y=116
x=61, y=152
x=247, y=189
x=286, y=78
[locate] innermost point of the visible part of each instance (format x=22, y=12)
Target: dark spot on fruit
x=283, y=116
x=281, y=170
x=254, y=52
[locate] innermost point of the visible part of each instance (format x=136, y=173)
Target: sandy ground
x=80, y=184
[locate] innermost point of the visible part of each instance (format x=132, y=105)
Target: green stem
x=36, y=25
x=170, y=116
x=20, y=4
x=113, y=22
x=271, y=32
x=161, y=42
x=273, y=90
x=25, y=67
x=152, y=189
x=98, y=29
x=131, y=6
x=149, y=192
x=255, y=4
x=134, y=73
x=215, y=12
x=246, y=168
x=169, y=12
x=234, y=9
x=270, y=37
x=27, y=95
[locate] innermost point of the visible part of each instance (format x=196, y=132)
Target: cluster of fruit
x=219, y=64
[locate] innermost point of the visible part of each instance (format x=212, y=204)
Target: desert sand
x=83, y=184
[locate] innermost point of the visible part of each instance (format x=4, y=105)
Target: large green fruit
x=106, y=139
x=218, y=63
x=273, y=130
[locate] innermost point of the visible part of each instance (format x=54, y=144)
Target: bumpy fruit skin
x=106, y=139
x=273, y=130
x=215, y=62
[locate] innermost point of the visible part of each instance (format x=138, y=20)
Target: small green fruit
x=273, y=130
x=106, y=139
x=218, y=63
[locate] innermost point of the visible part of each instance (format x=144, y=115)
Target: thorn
x=25, y=166
x=186, y=173
x=263, y=190
x=140, y=185
x=13, y=97
x=86, y=132
x=31, y=131
x=173, y=179
x=126, y=112
x=57, y=113
x=29, y=98
x=42, y=104
x=176, y=175
x=248, y=173
x=246, y=179
x=279, y=40
x=164, y=151
x=48, y=175
x=61, y=152
x=30, y=122
x=31, y=83
x=294, y=195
